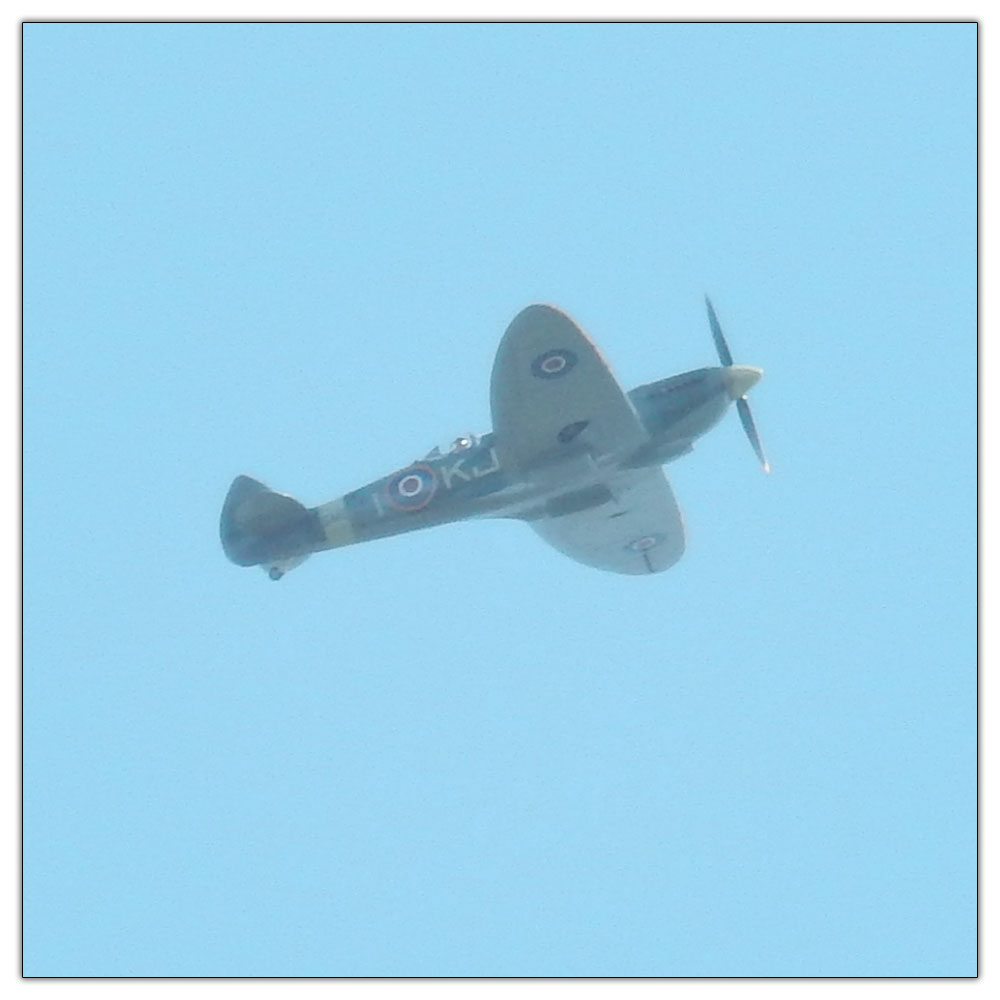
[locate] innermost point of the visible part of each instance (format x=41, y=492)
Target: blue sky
x=290, y=251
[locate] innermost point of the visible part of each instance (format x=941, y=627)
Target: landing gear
x=277, y=568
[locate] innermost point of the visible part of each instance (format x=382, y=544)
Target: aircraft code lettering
x=459, y=470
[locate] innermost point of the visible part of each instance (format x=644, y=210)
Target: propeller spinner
x=741, y=379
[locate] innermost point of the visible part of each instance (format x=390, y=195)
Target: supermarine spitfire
x=571, y=453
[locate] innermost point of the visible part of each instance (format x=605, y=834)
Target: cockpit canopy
x=464, y=442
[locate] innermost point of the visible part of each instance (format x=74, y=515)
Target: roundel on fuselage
x=413, y=488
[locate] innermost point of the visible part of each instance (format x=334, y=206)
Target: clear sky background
x=290, y=251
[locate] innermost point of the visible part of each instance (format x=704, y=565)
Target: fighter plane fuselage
x=471, y=479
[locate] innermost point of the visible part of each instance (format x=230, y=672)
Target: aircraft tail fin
x=261, y=527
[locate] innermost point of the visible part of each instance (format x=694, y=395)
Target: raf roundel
x=645, y=543
x=553, y=364
x=412, y=489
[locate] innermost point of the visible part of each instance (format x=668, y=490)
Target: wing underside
x=563, y=426
x=553, y=396
x=635, y=527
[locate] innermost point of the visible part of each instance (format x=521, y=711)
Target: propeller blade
x=720, y=341
x=746, y=418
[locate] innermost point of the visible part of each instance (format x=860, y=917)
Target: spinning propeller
x=739, y=373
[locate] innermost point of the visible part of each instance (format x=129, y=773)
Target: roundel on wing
x=553, y=364
x=413, y=488
x=644, y=543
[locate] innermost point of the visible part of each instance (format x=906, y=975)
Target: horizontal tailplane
x=261, y=527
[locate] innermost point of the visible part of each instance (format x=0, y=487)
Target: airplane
x=571, y=453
